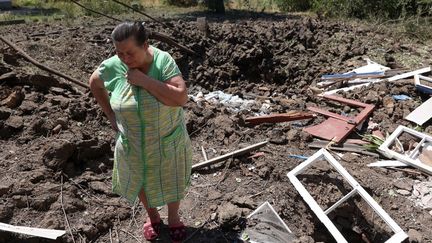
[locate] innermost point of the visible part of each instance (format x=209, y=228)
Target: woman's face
x=130, y=53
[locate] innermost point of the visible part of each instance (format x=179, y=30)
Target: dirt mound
x=57, y=145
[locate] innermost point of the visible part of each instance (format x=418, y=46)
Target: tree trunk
x=216, y=5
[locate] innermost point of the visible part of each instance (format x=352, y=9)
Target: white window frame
x=399, y=235
x=408, y=159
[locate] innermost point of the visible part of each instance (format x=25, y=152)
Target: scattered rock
x=230, y=215
x=71, y=204
x=100, y=187
x=414, y=236
x=372, y=97
x=5, y=188
x=293, y=135
x=277, y=137
x=57, y=90
x=388, y=103
x=20, y=201
x=51, y=221
x=91, y=149
x=214, y=195
x=213, y=216
x=43, y=202
x=6, y=212
x=244, y=202
x=43, y=82
x=37, y=176
x=77, y=111
x=28, y=107
x=5, y=113
x=40, y=126
x=304, y=239
x=89, y=230
x=403, y=192
x=264, y=172
x=57, y=154
x=404, y=184
x=14, y=99
x=15, y=122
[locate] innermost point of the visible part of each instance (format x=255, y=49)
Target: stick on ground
x=64, y=212
x=229, y=155
x=41, y=66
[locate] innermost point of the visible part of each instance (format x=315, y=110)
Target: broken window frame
x=399, y=235
x=385, y=148
x=421, y=87
x=273, y=210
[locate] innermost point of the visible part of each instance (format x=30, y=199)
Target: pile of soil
x=57, y=146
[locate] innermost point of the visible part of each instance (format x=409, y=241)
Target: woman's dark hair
x=128, y=29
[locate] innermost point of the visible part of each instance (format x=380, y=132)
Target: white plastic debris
x=40, y=232
x=233, y=102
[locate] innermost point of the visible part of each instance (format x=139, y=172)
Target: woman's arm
x=101, y=95
x=172, y=92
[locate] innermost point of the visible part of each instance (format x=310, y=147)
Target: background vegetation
x=362, y=9
x=409, y=17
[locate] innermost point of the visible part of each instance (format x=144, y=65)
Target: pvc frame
x=399, y=234
x=408, y=159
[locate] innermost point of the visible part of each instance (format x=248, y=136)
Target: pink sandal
x=151, y=230
x=177, y=232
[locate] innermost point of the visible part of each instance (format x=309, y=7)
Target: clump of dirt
x=57, y=145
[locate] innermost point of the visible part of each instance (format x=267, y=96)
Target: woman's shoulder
x=112, y=61
x=113, y=64
x=160, y=55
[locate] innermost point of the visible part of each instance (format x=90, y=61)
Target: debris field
x=57, y=146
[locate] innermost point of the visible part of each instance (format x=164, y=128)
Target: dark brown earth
x=56, y=145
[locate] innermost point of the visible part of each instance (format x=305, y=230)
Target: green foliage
x=181, y=3
x=71, y=10
x=384, y=9
x=293, y=5
x=374, y=141
x=371, y=8
x=105, y=6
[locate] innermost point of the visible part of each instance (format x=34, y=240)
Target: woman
x=152, y=157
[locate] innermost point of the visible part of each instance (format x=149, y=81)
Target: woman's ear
x=145, y=45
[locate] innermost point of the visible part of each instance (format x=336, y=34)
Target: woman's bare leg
x=153, y=213
x=173, y=213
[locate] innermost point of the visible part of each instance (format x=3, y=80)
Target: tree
x=216, y=5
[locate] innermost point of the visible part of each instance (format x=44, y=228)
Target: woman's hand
x=135, y=77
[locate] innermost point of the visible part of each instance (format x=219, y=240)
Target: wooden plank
x=331, y=129
x=346, y=101
x=229, y=155
x=345, y=148
x=330, y=114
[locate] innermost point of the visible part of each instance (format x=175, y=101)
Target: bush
x=360, y=8
x=370, y=8
x=293, y=5
x=181, y=3
x=105, y=6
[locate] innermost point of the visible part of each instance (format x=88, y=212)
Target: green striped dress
x=153, y=150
